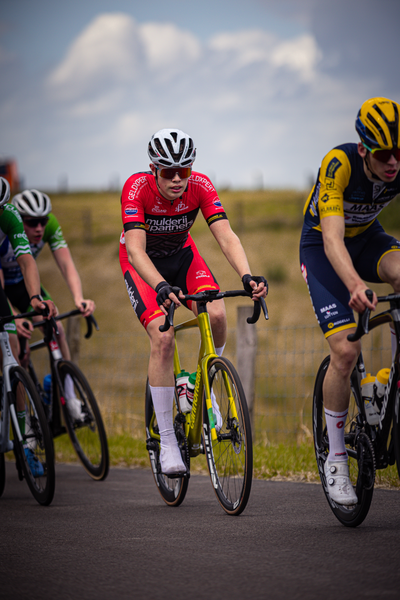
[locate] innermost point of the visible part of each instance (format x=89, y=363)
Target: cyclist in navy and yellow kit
x=342, y=245
x=157, y=251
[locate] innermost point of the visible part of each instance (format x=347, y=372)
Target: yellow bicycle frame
x=207, y=353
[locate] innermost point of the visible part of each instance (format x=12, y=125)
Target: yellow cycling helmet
x=377, y=124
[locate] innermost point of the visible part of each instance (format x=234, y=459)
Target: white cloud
x=253, y=101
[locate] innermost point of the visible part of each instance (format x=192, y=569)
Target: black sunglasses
x=35, y=222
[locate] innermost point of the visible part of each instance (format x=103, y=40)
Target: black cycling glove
x=163, y=290
x=246, y=282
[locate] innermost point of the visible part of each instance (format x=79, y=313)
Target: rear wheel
x=230, y=456
x=396, y=432
x=359, y=448
x=32, y=440
x=87, y=433
x=172, y=490
x=2, y=474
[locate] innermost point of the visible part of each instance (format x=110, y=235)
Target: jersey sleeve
x=334, y=177
x=11, y=224
x=53, y=234
x=132, y=207
x=210, y=204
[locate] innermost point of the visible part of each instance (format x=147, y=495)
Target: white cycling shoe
x=171, y=460
x=75, y=408
x=340, y=488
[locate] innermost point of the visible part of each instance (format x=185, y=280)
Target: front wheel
x=84, y=425
x=230, y=456
x=360, y=451
x=172, y=490
x=33, y=445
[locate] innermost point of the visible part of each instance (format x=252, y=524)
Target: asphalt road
x=117, y=539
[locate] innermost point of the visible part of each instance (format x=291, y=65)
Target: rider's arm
x=65, y=263
x=333, y=228
x=32, y=282
x=234, y=252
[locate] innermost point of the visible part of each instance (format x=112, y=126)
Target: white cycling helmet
x=171, y=148
x=4, y=191
x=32, y=203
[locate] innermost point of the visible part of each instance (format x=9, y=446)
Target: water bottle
x=382, y=378
x=181, y=385
x=367, y=392
x=190, y=389
x=47, y=390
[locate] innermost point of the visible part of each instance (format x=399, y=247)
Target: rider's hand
x=86, y=307
x=24, y=330
x=165, y=296
x=359, y=301
x=40, y=305
x=256, y=286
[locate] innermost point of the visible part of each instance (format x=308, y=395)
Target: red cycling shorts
x=186, y=269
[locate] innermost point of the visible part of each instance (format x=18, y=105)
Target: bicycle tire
x=88, y=436
x=361, y=456
x=2, y=474
x=396, y=432
x=230, y=457
x=37, y=438
x=172, y=490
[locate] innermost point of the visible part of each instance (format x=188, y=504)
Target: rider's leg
x=336, y=390
x=389, y=271
x=162, y=386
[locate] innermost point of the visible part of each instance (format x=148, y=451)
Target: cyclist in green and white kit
x=11, y=227
x=42, y=227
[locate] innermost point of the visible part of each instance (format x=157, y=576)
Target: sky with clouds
x=265, y=87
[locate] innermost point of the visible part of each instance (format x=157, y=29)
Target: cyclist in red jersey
x=157, y=251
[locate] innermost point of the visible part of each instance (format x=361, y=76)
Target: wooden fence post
x=73, y=337
x=246, y=350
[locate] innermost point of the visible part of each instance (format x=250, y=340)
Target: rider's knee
x=344, y=356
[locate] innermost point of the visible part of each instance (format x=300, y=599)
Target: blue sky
x=265, y=87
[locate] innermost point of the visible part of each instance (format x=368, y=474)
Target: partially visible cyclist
x=157, y=251
x=11, y=227
x=42, y=227
x=342, y=246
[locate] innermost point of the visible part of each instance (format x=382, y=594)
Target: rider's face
x=171, y=189
x=385, y=171
x=34, y=230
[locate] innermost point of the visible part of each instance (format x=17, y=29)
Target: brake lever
x=169, y=319
x=363, y=321
x=90, y=321
x=258, y=305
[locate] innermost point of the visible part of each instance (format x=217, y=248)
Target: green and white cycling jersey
x=9, y=252
x=12, y=231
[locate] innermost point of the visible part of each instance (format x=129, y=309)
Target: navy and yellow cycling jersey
x=343, y=189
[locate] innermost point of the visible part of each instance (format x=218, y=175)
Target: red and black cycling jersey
x=167, y=224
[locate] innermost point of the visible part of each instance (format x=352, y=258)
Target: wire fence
x=287, y=361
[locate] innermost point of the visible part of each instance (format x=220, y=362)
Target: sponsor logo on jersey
x=330, y=314
x=332, y=168
x=169, y=224
x=325, y=308
x=180, y=207
x=203, y=182
x=201, y=274
x=138, y=183
x=157, y=208
x=217, y=203
x=325, y=198
x=132, y=298
x=131, y=211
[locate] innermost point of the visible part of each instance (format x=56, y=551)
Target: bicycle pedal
x=152, y=444
x=180, y=418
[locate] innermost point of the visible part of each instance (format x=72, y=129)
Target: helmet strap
x=366, y=162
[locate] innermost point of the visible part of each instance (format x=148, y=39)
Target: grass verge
x=276, y=462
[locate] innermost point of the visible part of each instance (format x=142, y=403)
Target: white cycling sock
x=163, y=399
x=335, y=422
x=219, y=351
x=69, y=387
